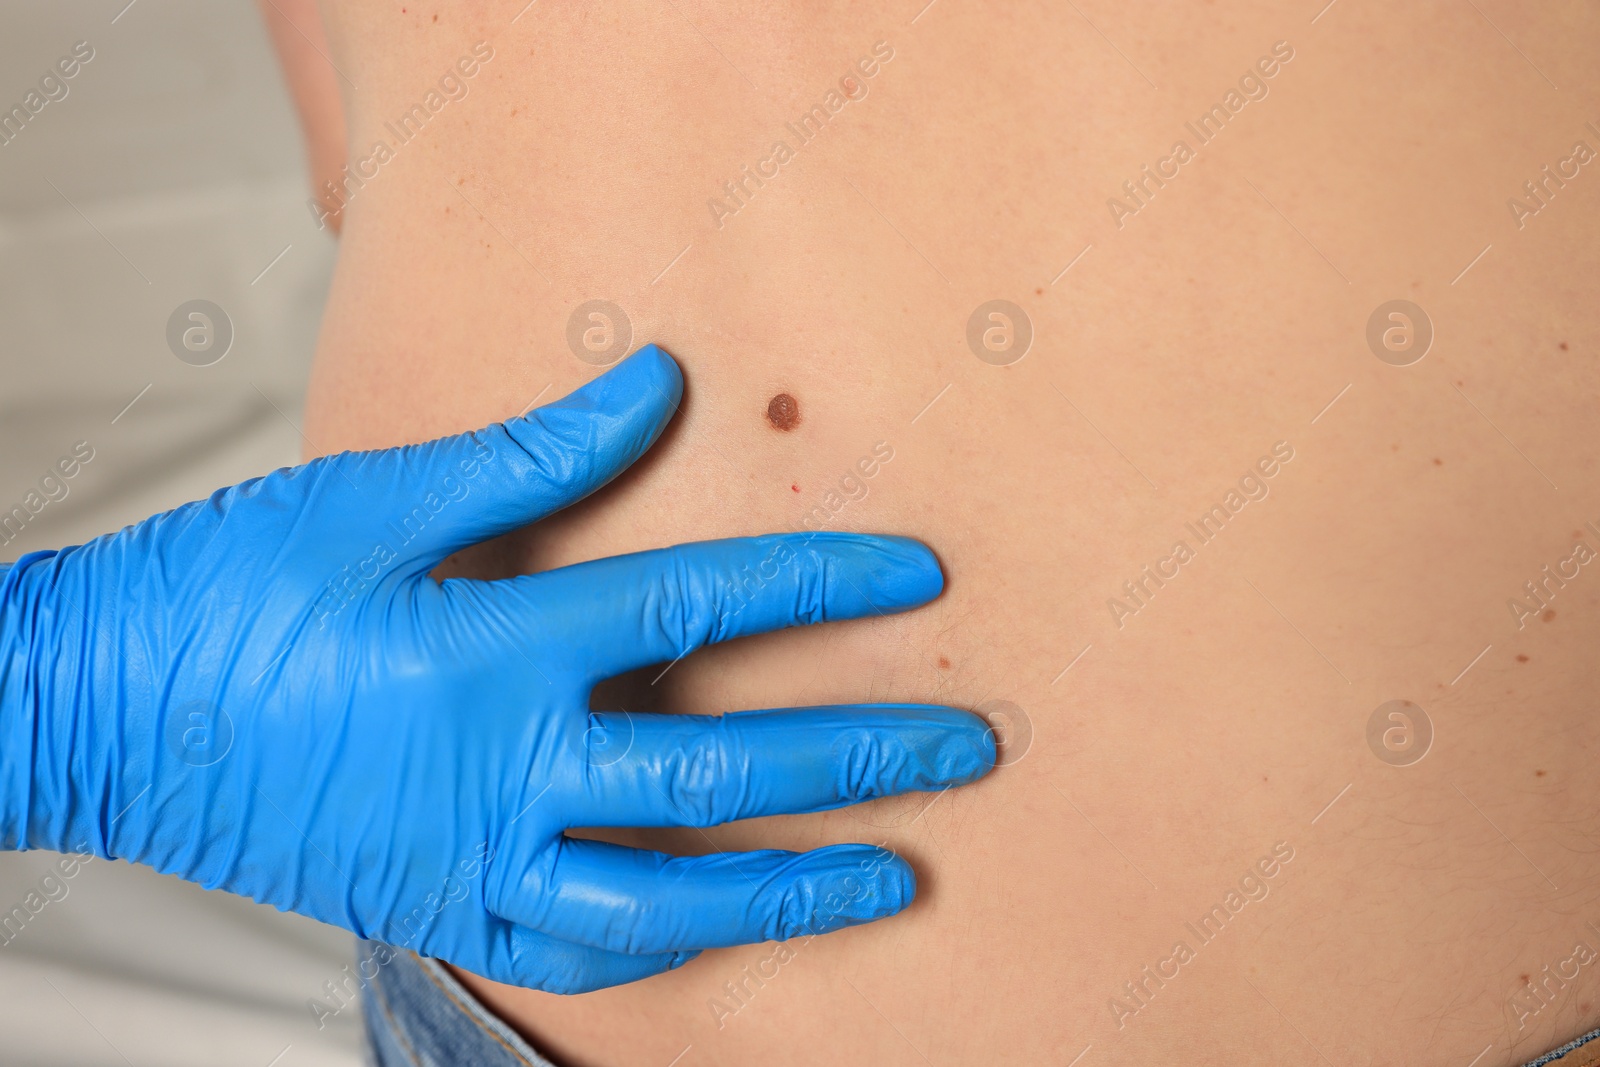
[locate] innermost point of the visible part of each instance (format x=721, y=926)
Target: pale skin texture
x=302, y=47
x=1228, y=714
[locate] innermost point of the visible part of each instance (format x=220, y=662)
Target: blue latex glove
x=266, y=692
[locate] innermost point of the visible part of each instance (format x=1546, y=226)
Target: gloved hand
x=266, y=692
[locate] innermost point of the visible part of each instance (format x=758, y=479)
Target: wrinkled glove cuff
x=20, y=710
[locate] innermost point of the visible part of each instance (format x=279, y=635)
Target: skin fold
x=1191, y=737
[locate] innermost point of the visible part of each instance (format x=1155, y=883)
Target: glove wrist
x=22, y=712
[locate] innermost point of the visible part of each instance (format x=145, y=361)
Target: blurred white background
x=172, y=170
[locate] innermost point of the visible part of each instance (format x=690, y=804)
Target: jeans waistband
x=1581, y=1051
x=418, y=1015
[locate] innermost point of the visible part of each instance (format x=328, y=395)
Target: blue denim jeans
x=418, y=1015
x=1559, y=1056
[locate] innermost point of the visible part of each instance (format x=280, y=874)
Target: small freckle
x=436, y=18
x=1038, y=292
x=1521, y=658
x=1460, y=382
x=1394, y=448
x=1538, y=774
x=1549, y=614
x=783, y=411
x=1563, y=346
x=1525, y=979
x=944, y=662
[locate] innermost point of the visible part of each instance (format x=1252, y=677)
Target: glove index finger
x=657, y=606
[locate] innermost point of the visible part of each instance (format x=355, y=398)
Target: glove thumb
x=474, y=486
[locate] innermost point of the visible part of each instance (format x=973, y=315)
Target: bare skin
x=302, y=47
x=1200, y=739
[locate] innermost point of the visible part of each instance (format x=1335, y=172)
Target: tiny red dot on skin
x=944, y=661
x=796, y=488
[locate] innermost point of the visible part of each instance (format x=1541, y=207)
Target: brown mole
x=783, y=411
